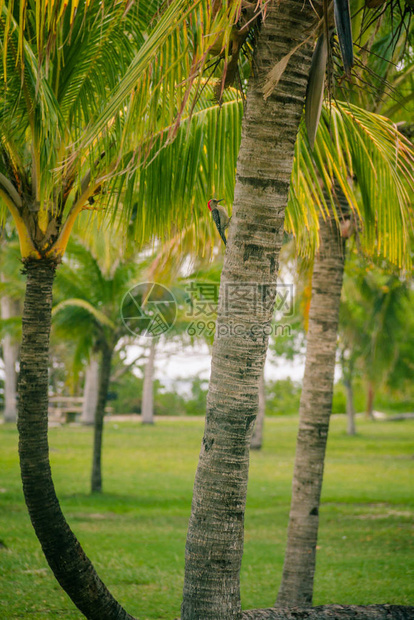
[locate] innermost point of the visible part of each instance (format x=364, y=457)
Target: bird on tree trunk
x=220, y=217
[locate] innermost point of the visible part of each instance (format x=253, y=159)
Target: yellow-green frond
x=372, y=162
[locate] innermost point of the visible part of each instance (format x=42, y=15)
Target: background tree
x=90, y=391
x=373, y=322
x=385, y=214
x=92, y=287
x=10, y=313
x=314, y=412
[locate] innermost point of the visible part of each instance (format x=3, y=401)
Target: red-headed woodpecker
x=220, y=217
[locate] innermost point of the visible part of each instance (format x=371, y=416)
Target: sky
x=195, y=361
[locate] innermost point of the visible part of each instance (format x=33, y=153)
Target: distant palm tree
x=375, y=305
x=9, y=309
x=10, y=323
x=92, y=287
x=147, y=409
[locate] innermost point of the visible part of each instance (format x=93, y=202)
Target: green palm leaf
x=373, y=164
x=99, y=316
x=90, y=89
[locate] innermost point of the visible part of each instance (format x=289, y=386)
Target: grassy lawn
x=135, y=532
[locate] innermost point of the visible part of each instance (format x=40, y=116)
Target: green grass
x=135, y=532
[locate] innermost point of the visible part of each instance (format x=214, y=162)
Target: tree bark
x=314, y=414
x=369, y=413
x=147, y=412
x=247, y=290
x=104, y=380
x=90, y=392
x=10, y=356
x=350, y=409
x=334, y=612
x=257, y=437
x=71, y=567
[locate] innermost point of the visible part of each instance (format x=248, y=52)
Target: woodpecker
x=220, y=217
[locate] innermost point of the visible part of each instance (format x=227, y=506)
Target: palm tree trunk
x=147, y=413
x=104, y=380
x=247, y=291
x=71, y=567
x=314, y=413
x=350, y=409
x=10, y=355
x=90, y=392
x=369, y=413
x=257, y=437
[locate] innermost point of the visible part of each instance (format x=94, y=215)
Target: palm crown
x=89, y=93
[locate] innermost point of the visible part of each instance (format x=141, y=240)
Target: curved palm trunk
x=215, y=536
x=257, y=437
x=71, y=567
x=314, y=414
x=90, y=392
x=104, y=380
x=147, y=413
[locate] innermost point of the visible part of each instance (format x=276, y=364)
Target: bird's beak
x=220, y=199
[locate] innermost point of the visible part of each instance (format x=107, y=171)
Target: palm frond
x=99, y=316
x=372, y=163
x=89, y=89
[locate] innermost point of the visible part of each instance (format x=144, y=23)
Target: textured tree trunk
x=350, y=409
x=334, y=612
x=10, y=356
x=90, y=392
x=314, y=414
x=369, y=413
x=104, y=379
x=257, y=437
x=215, y=536
x=71, y=567
x=147, y=412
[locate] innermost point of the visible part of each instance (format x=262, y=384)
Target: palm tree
x=147, y=409
x=345, y=132
x=374, y=301
x=10, y=357
x=73, y=135
x=351, y=335
x=385, y=212
x=10, y=313
x=90, y=391
x=92, y=286
x=314, y=413
x=215, y=535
